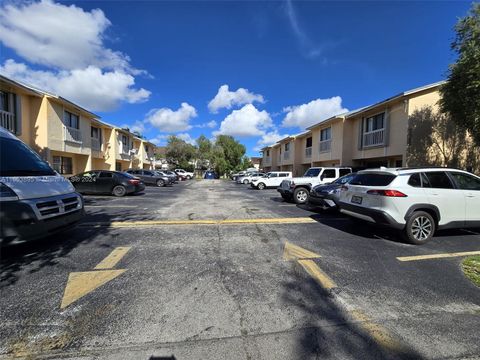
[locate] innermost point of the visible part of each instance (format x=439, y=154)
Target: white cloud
x=60, y=36
x=226, y=98
x=168, y=120
x=248, y=121
x=210, y=124
x=187, y=138
x=91, y=87
x=138, y=126
x=305, y=115
x=159, y=140
x=269, y=138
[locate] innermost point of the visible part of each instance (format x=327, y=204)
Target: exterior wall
x=275, y=150
x=291, y=152
x=336, y=146
x=80, y=163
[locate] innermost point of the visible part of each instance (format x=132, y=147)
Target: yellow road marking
x=437, y=256
x=80, y=284
x=111, y=260
x=294, y=252
x=314, y=271
x=377, y=332
x=119, y=224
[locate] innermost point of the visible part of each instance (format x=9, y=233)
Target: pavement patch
x=437, y=256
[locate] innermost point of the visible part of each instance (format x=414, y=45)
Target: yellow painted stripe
x=113, y=258
x=118, y=224
x=437, y=256
x=293, y=252
x=314, y=271
x=378, y=333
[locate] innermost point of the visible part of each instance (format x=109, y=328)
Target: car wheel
x=300, y=195
x=261, y=186
x=119, y=190
x=160, y=183
x=188, y=177
x=245, y=181
x=420, y=228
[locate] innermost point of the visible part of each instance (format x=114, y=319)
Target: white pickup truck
x=298, y=189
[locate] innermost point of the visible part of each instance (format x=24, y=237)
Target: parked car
x=415, y=201
x=210, y=175
x=327, y=196
x=271, y=179
x=149, y=177
x=235, y=176
x=106, y=182
x=249, y=177
x=187, y=175
x=170, y=175
x=35, y=201
x=298, y=189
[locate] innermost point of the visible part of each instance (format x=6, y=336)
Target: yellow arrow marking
x=437, y=256
x=80, y=284
x=294, y=252
x=111, y=260
x=314, y=271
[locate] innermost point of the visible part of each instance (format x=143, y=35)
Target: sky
x=256, y=70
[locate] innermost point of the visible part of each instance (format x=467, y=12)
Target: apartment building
x=372, y=136
x=71, y=138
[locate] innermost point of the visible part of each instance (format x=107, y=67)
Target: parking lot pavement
x=200, y=272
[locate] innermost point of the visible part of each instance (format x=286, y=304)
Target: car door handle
x=470, y=196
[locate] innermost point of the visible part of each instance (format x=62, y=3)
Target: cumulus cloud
x=269, y=138
x=91, y=87
x=159, y=140
x=248, y=121
x=227, y=99
x=69, y=43
x=187, y=138
x=138, y=126
x=210, y=124
x=168, y=120
x=305, y=115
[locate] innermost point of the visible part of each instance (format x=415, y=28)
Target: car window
x=283, y=175
x=149, y=173
x=104, y=174
x=345, y=172
x=344, y=179
x=438, y=180
x=272, y=175
x=414, y=180
x=89, y=174
x=328, y=173
x=373, y=179
x=312, y=172
x=465, y=181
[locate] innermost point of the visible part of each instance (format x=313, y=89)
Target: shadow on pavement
x=329, y=332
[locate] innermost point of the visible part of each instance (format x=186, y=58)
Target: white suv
x=415, y=201
x=187, y=175
x=271, y=179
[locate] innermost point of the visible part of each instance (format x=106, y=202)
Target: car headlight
x=7, y=194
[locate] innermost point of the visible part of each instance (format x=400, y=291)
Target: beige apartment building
x=373, y=136
x=71, y=138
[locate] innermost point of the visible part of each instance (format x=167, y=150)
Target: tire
x=261, y=186
x=245, y=181
x=300, y=195
x=160, y=183
x=119, y=191
x=188, y=177
x=420, y=228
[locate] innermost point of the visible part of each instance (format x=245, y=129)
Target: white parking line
x=112, y=206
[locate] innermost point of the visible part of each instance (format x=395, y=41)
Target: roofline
x=26, y=88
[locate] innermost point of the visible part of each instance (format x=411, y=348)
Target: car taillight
x=134, y=181
x=389, y=193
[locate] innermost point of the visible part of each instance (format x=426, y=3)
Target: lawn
x=471, y=269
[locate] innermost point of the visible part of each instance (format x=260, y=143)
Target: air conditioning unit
x=133, y=151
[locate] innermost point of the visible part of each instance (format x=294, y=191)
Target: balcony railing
x=96, y=144
x=268, y=161
x=325, y=145
x=72, y=135
x=8, y=121
x=308, y=152
x=286, y=155
x=374, y=138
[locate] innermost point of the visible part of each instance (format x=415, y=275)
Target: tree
x=233, y=151
x=246, y=163
x=179, y=152
x=204, y=151
x=461, y=94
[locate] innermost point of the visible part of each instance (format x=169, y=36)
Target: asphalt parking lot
x=215, y=270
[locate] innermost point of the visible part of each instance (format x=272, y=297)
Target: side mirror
x=322, y=177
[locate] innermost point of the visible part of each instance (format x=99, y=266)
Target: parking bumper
x=373, y=215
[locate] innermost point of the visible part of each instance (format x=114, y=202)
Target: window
x=312, y=172
x=344, y=179
x=104, y=174
x=63, y=164
x=124, y=140
x=118, y=166
x=328, y=173
x=344, y=172
x=149, y=173
x=95, y=132
x=283, y=175
x=287, y=146
x=146, y=148
x=268, y=153
x=309, y=142
x=415, y=180
x=71, y=120
x=326, y=134
x=438, y=180
x=373, y=179
x=4, y=106
x=272, y=175
x=374, y=122
x=465, y=181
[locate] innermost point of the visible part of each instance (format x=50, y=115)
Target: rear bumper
x=287, y=192
x=372, y=215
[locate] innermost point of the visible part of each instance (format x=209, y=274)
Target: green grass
x=471, y=269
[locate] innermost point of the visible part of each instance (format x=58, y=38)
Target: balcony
x=286, y=155
x=308, y=152
x=8, y=121
x=325, y=146
x=267, y=161
x=96, y=144
x=374, y=138
x=72, y=135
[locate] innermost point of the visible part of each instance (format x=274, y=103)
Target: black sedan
x=106, y=182
x=326, y=195
x=150, y=177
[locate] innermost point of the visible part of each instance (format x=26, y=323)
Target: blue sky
x=156, y=66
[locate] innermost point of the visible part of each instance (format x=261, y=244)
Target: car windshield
x=16, y=159
x=312, y=172
x=344, y=179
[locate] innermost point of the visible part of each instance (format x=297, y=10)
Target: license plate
x=357, y=199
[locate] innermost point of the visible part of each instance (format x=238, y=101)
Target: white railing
x=96, y=144
x=286, y=155
x=72, y=135
x=268, y=161
x=308, y=152
x=123, y=149
x=325, y=145
x=374, y=138
x=7, y=120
